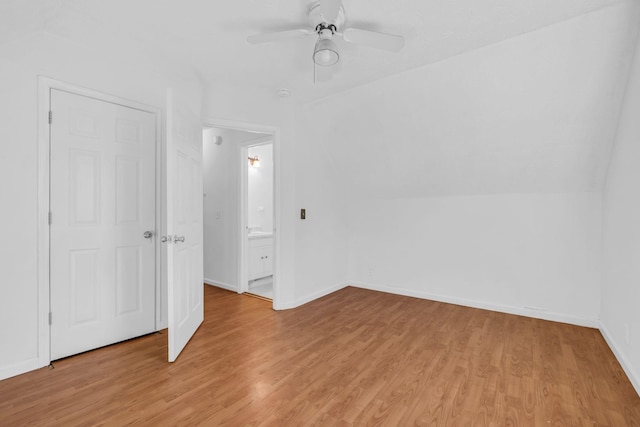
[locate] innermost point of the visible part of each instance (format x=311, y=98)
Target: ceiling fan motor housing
x=326, y=31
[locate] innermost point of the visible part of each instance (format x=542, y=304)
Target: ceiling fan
x=326, y=18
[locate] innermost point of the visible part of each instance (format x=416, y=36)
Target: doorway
x=232, y=258
x=259, y=203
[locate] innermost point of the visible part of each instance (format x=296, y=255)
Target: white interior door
x=185, y=276
x=102, y=202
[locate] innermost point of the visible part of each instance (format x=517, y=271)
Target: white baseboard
x=308, y=298
x=220, y=285
x=520, y=311
x=624, y=362
x=20, y=368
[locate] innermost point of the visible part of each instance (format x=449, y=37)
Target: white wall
x=221, y=214
x=620, y=314
x=124, y=73
x=321, y=260
x=18, y=192
x=530, y=254
x=260, y=188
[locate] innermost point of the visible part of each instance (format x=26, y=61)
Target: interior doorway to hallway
x=239, y=210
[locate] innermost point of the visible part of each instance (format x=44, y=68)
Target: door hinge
x=50, y=318
x=50, y=218
x=50, y=116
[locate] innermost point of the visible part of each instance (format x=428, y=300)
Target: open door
x=184, y=224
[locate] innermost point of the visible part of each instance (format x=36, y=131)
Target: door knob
x=148, y=234
x=177, y=239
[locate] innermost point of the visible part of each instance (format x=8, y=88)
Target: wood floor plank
x=352, y=358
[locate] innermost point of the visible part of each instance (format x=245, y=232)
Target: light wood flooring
x=353, y=358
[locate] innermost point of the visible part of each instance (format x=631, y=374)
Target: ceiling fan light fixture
x=325, y=53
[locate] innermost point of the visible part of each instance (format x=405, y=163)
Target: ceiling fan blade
x=329, y=10
x=279, y=35
x=374, y=39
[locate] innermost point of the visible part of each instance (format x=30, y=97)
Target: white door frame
x=273, y=135
x=45, y=84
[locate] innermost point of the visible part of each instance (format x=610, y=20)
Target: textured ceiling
x=211, y=36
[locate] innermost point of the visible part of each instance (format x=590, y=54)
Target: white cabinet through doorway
x=260, y=256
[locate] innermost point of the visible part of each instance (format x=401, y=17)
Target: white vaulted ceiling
x=211, y=35
x=487, y=96
x=536, y=113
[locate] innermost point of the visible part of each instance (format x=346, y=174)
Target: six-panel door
x=102, y=203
